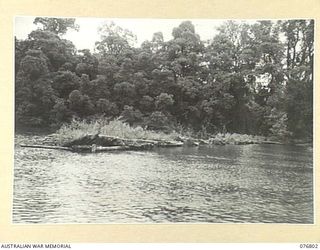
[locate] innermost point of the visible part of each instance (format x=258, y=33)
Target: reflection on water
x=234, y=184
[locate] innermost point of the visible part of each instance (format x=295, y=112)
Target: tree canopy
x=249, y=78
x=56, y=25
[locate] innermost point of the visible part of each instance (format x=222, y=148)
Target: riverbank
x=103, y=135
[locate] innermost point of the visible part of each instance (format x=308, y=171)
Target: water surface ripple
x=220, y=184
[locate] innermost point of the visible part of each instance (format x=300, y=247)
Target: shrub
x=158, y=121
x=131, y=115
x=79, y=128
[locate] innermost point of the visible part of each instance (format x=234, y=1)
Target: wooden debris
x=45, y=147
x=271, y=142
x=104, y=143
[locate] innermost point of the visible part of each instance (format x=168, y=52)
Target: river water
x=218, y=184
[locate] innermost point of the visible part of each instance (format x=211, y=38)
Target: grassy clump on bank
x=228, y=138
x=117, y=128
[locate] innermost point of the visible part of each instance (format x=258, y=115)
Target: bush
x=106, y=107
x=279, y=128
x=163, y=101
x=79, y=128
x=131, y=115
x=228, y=138
x=158, y=121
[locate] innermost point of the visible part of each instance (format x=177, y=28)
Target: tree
x=88, y=64
x=60, y=113
x=80, y=104
x=34, y=64
x=96, y=89
x=64, y=82
x=158, y=121
x=131, y=115
x=21, y=47
x=58, y=26
x=34, y=94
x=252, y=78
x=114, y=39
x=164, y=101
x=146, y=104
x=59, y=51
x=278, y=122
x=299, y=36
x=125, y=92
x=106, y=107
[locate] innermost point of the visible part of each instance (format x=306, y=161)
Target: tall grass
x=228, y=138
x=77, y=129
x=117, y=128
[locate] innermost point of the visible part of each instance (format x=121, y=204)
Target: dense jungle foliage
x=249, y=78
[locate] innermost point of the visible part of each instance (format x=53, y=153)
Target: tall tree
x=58, y=26
x=252, y=78
x=299, y=39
